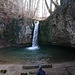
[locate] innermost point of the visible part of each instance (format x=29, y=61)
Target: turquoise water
x=46, y=54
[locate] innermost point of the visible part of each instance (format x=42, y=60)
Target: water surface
x=46, y=54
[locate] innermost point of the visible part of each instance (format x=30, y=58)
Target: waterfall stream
x=35, y=38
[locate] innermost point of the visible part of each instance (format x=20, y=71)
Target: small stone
x=3, y=71
x=23, y=73
x=32, y=72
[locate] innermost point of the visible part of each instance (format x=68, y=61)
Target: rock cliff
x=15, y=28
x=59, y=28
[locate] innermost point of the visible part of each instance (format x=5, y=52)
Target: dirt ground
x=66, y=68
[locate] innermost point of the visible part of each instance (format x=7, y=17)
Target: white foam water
x=35, y=38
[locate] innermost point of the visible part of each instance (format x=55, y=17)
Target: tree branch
x=54, y=3
x=49, y=10
x=36, y=8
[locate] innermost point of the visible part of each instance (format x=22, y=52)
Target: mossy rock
x=23, y=73
x=3, y=71
x=32, y=72
x=32, y=67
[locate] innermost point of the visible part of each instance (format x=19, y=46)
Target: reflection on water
x=46, y=54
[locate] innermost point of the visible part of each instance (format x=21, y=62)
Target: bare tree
x=36, y=8
x=51, y=2
x=54, y=3
x=49, y=10
x=29, y=6
x=57, y=2
x=50, y=5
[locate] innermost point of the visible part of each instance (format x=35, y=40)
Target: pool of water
x=46, y=54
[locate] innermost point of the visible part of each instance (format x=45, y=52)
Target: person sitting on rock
x=40, y=71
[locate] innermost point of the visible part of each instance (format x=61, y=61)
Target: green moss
x=23, y=74
x=3, y=71
x=14, y=30
x=44, y=31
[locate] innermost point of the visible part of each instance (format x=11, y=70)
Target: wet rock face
x=25, y=34
x=61, y=27
x=19, y=30
x=70, y=21
x=22, y=31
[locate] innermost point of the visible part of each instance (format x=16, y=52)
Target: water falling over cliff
x=35, y=38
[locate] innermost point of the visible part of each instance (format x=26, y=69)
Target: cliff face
x=59, y=28
x=14, y=26
x=18, y=31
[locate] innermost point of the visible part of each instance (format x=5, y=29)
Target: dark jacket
x=41, y=72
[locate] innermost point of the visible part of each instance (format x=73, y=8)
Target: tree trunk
x=49, y=10
x=36, y=8
x=54, y=3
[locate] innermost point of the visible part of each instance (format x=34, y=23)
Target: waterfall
x=35, y=35
x=35, y=38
